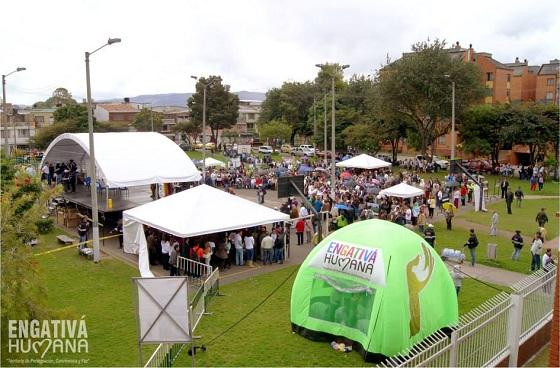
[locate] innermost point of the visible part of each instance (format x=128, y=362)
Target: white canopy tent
x=196, y=211
x=402, y=190
x=363, y=161
x=126, y=159
x=211, y=161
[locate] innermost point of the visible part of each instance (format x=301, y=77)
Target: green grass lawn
x=103, y=294
x=265, y=337
x=457, y=237
x=522, y=218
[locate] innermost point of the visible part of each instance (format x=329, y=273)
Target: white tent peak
x=363, y=161
x=402, y=190
x=211, y=161
x=126, y=158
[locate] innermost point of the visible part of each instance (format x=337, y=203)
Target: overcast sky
x=253, y=45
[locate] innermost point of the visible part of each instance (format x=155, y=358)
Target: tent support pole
x=308, y=204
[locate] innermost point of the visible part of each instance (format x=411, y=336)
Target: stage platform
x=122, y=199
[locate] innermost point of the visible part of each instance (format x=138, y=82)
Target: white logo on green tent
x=363, y=262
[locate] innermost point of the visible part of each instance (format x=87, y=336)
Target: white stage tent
x=402, y=190
x=363, y=161
x=196, y=211
x=126, y=159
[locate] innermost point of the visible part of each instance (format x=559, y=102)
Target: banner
x=361, y=261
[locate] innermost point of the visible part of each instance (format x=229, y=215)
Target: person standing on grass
x=518, y=196
x=509, y=200
x=536, y=250
x=494, y=225
x=464, y=192
x=504, y=185
x=249, y=247
x=279, y=245
x=421, y=220
x=541, y=218
x=517, y=241
x=540, y=181
x=237, y=242
x=449, y=217
x=457, y=277
x=430, y=235
x=431, y=206
x=83, y=231
x=533, y=182
x=472, y=243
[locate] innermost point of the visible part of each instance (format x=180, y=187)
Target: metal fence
x=489, y=333
x=198, y=271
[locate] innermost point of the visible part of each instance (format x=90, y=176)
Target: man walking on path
x=509, y=200
x=504, y=185
x=494, y=225
x=472, y=243
x=541, y=218
x=517, y=241
x=518, y=196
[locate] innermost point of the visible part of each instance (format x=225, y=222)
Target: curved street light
x=4, y=107
x=92, y=173
x=205, y=85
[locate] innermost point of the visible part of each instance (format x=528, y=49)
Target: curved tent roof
x=211, y=161
x=364, y=161
x=127, y=158
x=402, y=190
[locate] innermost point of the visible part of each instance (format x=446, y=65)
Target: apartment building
x=548, y=84
x=115, y=112
x=171, y=116
x=22, y=123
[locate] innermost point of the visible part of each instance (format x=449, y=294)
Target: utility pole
x=5, y=109
x=325, y=126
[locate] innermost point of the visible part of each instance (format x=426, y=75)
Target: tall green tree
x=144, y=119
x=60, y=97
x=483, y=129
x=275, y=129
x=72, y=113
x=362, y=137
x=189, y=130
x=222, y=106
x=416, y=86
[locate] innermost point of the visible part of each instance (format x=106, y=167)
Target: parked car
x=298, y=151
x=307, y=147
x=286, y=148
x=185, y=146
x=210, y=145
x=442, y=164
x=386, y=158
x=197, y=145
x=265, y=149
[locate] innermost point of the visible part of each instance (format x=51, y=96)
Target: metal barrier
x=197, y=270
x=166, y=353
x=489, y=333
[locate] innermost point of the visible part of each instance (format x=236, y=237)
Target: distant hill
x=180, y=99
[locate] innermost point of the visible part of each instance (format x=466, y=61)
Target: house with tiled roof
x=548, y=82
x=105, y=112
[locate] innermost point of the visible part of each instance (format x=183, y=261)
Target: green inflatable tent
x=375, y=283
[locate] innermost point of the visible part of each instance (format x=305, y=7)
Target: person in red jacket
x=300, y=227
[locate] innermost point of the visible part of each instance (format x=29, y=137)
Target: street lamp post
x=205, y=86
x=452, y=117
x=325, y=126
x=4, y=108
x=333, y=128
x=92, y=173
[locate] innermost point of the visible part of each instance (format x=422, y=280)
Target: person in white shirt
x=249, y=247
x=237, y=242
x=536, y=250
x=303, y=211
x=267, y=243
x=165, y=250
x=547, y=260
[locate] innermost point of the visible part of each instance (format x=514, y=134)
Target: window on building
x=23, y=132
x=549, y=95
x=250, y=126
x=39, y=119
x=489, y=77
x=550, y=82
x=251, y=116
x=5, y=134
x=441, y=140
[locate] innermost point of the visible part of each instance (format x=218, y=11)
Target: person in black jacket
x=472, y=243
x=509, y=200
x=517, y=241
x=430, y=235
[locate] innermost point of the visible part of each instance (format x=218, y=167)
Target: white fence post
x=514, y=328
x=453, y=351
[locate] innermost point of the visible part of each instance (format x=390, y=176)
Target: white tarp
x=196, y=211
x=363, y=161
x=126, y=159
x=402, y=190
x=210, y=161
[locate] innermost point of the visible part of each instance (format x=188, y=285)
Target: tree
x=189, y=130
x=44, y=136
x=483, y=130
x=362, y=136
x=144, y=119
x=60, y=97
x=73, y=113
x=222, y=106
x=416, y=86
x=275, y=129
x=393, y=129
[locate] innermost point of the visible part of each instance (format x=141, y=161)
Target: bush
x=45, y=226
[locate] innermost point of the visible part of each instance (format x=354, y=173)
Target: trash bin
x=491, y=251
